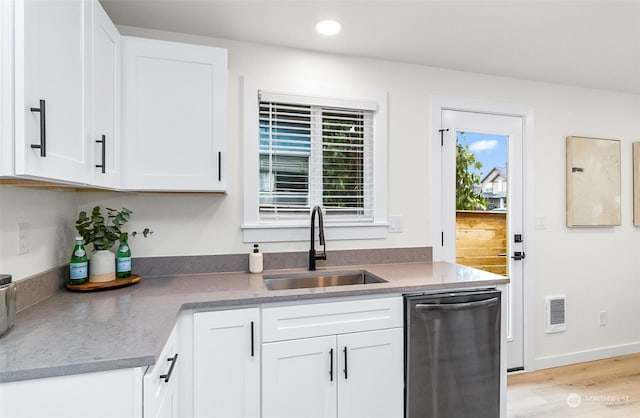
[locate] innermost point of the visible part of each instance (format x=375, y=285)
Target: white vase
x=102, y=266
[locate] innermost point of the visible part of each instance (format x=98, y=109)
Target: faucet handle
x=322, y=256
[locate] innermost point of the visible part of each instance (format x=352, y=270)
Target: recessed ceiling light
x=328, y=27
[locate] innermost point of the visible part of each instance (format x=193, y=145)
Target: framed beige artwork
x=593, y=182
x=636, y=184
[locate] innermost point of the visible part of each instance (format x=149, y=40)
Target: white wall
x=596, y=268
x=50, y=215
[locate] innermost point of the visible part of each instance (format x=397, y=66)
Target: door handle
x=456, y=306
x=518, y=255
x=331, y=365
x=43, y=128
x=103, y=141
x=173, y=361
x=253, y=344
x=346, y=368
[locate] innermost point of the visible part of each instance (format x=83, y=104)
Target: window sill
x=300, y=232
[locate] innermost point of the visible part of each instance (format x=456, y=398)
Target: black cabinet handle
x=173, y=361
x=103, y=141
x=252, y=341
x=43, y=128
x=219, y=166
x=345, y=363
x=331, y=365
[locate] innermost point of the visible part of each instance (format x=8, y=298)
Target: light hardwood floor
x=608, y=388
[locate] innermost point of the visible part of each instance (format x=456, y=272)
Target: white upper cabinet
x=174, y=116
x=50, y=44
x=6, y=88
x=103, y=137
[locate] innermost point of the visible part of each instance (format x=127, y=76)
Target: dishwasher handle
x=456, y=306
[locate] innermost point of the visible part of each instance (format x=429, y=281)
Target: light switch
x=396, y=223
x=23, y=238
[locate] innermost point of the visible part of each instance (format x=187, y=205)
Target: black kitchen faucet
x=312, y=250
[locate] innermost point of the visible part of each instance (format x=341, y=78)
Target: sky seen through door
x=489, y=149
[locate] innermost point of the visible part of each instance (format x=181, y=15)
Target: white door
x=159, y=394
x=226, y=359
x=104, y=135
x=511, y=128
x=299, y=378
x=174, y=116
x=371, y=374
x=50, y=116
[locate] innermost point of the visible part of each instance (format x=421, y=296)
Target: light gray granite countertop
x=71, y=333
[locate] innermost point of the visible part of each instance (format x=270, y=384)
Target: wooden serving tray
x=113, y=284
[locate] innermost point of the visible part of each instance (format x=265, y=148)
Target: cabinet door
x=104, y=135
x=108, y=394
x=6, y=89
x=227, y=363
x=49, y=82
x=371, y=375
x=174, y=116
x=299, y=378
x=160, y=382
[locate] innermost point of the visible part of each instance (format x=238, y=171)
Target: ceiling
x=588, y=43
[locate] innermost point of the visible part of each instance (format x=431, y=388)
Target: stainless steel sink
x=320, y=279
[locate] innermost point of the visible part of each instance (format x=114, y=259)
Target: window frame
x=256, y=229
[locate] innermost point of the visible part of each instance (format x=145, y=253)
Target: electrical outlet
x=396, y=223
x=23, y=238
x=604, y=319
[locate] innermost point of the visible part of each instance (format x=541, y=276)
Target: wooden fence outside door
x=481, y=240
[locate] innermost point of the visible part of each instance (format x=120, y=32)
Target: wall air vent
x=555, y=314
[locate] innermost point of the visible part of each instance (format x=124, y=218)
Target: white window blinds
x=313, y=154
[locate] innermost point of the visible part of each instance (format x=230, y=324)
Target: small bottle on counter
x=255, y=260
x=123, y=259
x=79, y=264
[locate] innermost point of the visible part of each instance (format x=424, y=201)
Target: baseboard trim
x=587, y=355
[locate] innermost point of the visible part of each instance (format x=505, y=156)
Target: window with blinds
x=312, y=154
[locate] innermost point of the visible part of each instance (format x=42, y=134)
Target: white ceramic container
x=102, y=266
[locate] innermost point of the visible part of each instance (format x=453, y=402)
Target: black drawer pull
x=43, y=128
x=173, y=361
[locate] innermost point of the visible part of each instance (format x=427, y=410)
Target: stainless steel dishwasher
x=452, y=358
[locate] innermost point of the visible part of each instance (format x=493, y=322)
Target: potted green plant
x=102, y=232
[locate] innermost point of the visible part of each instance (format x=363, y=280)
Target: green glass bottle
x=123, y=259
x=79, y=264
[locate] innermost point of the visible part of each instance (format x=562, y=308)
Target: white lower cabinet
x=122, y=393
x=297, y=378
x=226, y=364
x=349, y=375
x=371, y=374
x=109, y=394
x=160, y=383
x=325, y=359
